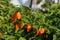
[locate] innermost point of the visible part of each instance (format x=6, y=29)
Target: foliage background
x=49, y=20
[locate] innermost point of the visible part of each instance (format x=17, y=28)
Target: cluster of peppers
x=17, y=15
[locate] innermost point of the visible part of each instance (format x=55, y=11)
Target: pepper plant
x=48, y=20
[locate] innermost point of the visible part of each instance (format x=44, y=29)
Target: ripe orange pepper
x=16, y=26
x=0, y=34
x=21, y=25
x=28, y=27
x=41, y=31
x=18, y=15
x=13, y=17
